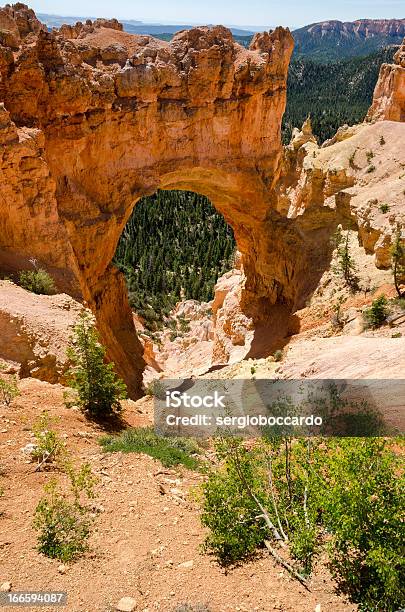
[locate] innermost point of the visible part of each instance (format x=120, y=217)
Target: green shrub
x=278, y=355
x=49, y=447
x=251, y=483
x=363, y=509
x=37, y=281
x=155, y=388
x=63, y=519
x=337, y=320
x=98, y=387
x=168, y=450
x=400, y=302
x=8, y=388
x=384, y=208
x=229, y=512
x=376, y=315
x=295, y=492
x=184, y=325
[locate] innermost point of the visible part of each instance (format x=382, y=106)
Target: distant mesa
x=133, y=26
x=328, y=40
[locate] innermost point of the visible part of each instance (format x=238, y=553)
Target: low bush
x=8, y=388
x=400, y=302
x=37, y=281
x=268, y=492
x=286, y=495
x=363, y=510
x=377, y=313
x=168, y=450
x=155, y=388
x=384, y=208
x=49, y=447
x=62, y=518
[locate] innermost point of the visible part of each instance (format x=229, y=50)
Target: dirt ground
x=147, y=525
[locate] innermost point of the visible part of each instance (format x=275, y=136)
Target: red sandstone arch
x=104, y=118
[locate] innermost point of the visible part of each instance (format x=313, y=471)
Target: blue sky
x=233, y=12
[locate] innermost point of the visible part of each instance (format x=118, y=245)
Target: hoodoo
x=389, y=93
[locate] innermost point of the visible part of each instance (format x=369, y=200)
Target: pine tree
x=98, y=387
x=346, y=265
x=398, y=261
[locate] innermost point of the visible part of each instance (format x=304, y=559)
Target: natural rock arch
x=95, y=119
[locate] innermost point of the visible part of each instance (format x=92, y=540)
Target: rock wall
x=389, y=94
x=35, y=332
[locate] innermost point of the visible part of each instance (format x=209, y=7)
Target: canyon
x=93, y=118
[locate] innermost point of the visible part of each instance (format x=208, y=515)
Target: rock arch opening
x=173, y=248
x=172, y=251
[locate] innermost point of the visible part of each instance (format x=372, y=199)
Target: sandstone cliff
x=362, y=28
x=389, y=94
x=35, y=332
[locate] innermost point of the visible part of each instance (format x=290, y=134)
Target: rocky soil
x=147, y=542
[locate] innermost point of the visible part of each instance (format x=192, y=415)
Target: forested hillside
x=329, y=41
x=333, y=94
x=174, y=247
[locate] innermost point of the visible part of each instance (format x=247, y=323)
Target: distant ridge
x=132, y=26
x=329, y=40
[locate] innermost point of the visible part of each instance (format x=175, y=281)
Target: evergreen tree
x=333, y=94
x=398, y=261
x=98, y=387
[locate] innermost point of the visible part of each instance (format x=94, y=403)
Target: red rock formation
x=94, y=118
x=16, y=23
x=389, y=94
x=114, y=117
